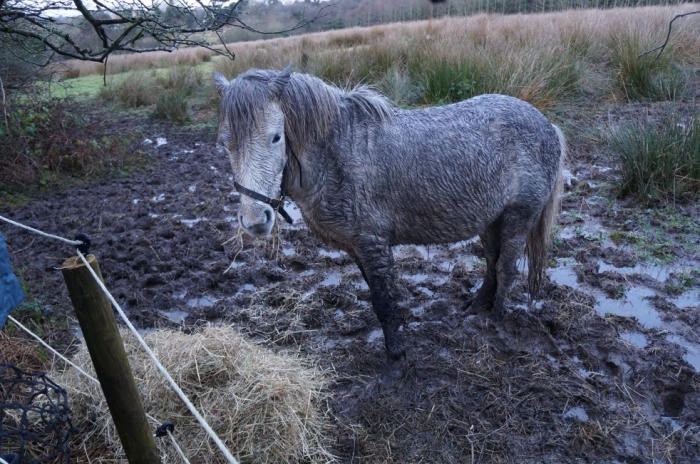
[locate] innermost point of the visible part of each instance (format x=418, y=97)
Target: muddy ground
x=603, y=368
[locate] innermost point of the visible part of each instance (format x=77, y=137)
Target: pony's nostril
x=268, y=216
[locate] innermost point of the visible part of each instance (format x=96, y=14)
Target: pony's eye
x=276, y=138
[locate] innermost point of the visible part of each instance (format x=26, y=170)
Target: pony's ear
x=220, y=82
x=279, y=82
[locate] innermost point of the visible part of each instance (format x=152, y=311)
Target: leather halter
x=276, y=203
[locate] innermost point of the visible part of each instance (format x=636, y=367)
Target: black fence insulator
x=34, y=418
x=162, y=431
x=85, y=247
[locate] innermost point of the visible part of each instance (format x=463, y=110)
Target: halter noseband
x=276, y=203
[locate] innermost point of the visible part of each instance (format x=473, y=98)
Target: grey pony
x=367, y=176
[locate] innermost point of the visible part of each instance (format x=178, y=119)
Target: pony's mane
x=310, y=106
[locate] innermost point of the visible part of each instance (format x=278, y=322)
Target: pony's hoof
x=392, y=372
x=497, y=314
x=390, y=377
x=480, y=305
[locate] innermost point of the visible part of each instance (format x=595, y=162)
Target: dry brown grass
x=452, y=36
x=538, y=58
x=265, y=407
x=21, y=352
x=541, y=58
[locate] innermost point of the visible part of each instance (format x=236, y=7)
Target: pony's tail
x=539, y=238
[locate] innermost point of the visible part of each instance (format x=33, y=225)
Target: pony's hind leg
x=491, y=241
x=516, y=222
x=359, y=265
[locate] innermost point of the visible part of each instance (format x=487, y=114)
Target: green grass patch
x=446, y=82
x=181, y=79
x=649, y=245
x=680, y=281
x=658, y=235
x=131, y=90
x=165, y=94
x=83, y=88
x=542, y=77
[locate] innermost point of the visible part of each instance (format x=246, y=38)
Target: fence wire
x=207, y=428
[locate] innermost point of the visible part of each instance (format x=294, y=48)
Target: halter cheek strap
x=276, y=203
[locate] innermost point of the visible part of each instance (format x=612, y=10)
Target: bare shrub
x=48, y=142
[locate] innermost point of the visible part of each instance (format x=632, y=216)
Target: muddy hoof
x=392, y=371
x=480, y=305
x=497, y=315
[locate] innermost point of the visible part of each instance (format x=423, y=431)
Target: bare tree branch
x=125, y=25
x=662, y=47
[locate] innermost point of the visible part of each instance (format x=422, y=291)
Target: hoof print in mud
x=612, y=288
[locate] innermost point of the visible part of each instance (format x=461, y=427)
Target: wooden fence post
x=106, y=349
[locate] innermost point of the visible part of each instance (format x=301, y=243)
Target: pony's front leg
x=376, y=262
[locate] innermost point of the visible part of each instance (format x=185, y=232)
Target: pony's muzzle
x=257, y=222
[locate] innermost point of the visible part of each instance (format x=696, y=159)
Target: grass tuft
x=659, y=158
x=540, y=76
x=130, y=91
x=172, y=106
x=182, y=79
x=397, y=86
x=647, y=78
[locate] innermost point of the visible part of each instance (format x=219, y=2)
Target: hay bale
x=20, y=351
x=265, y=407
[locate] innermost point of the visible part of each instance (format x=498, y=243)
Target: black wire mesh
x=34, y=417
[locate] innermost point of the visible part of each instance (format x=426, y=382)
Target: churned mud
x=602, y=368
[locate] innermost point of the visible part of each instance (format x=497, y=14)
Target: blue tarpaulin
x=11, y=293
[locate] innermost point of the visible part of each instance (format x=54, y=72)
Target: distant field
x=542, y=58
x=83, y=87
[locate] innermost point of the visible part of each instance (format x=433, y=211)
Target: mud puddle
x=633, y=303
x=641, y=285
